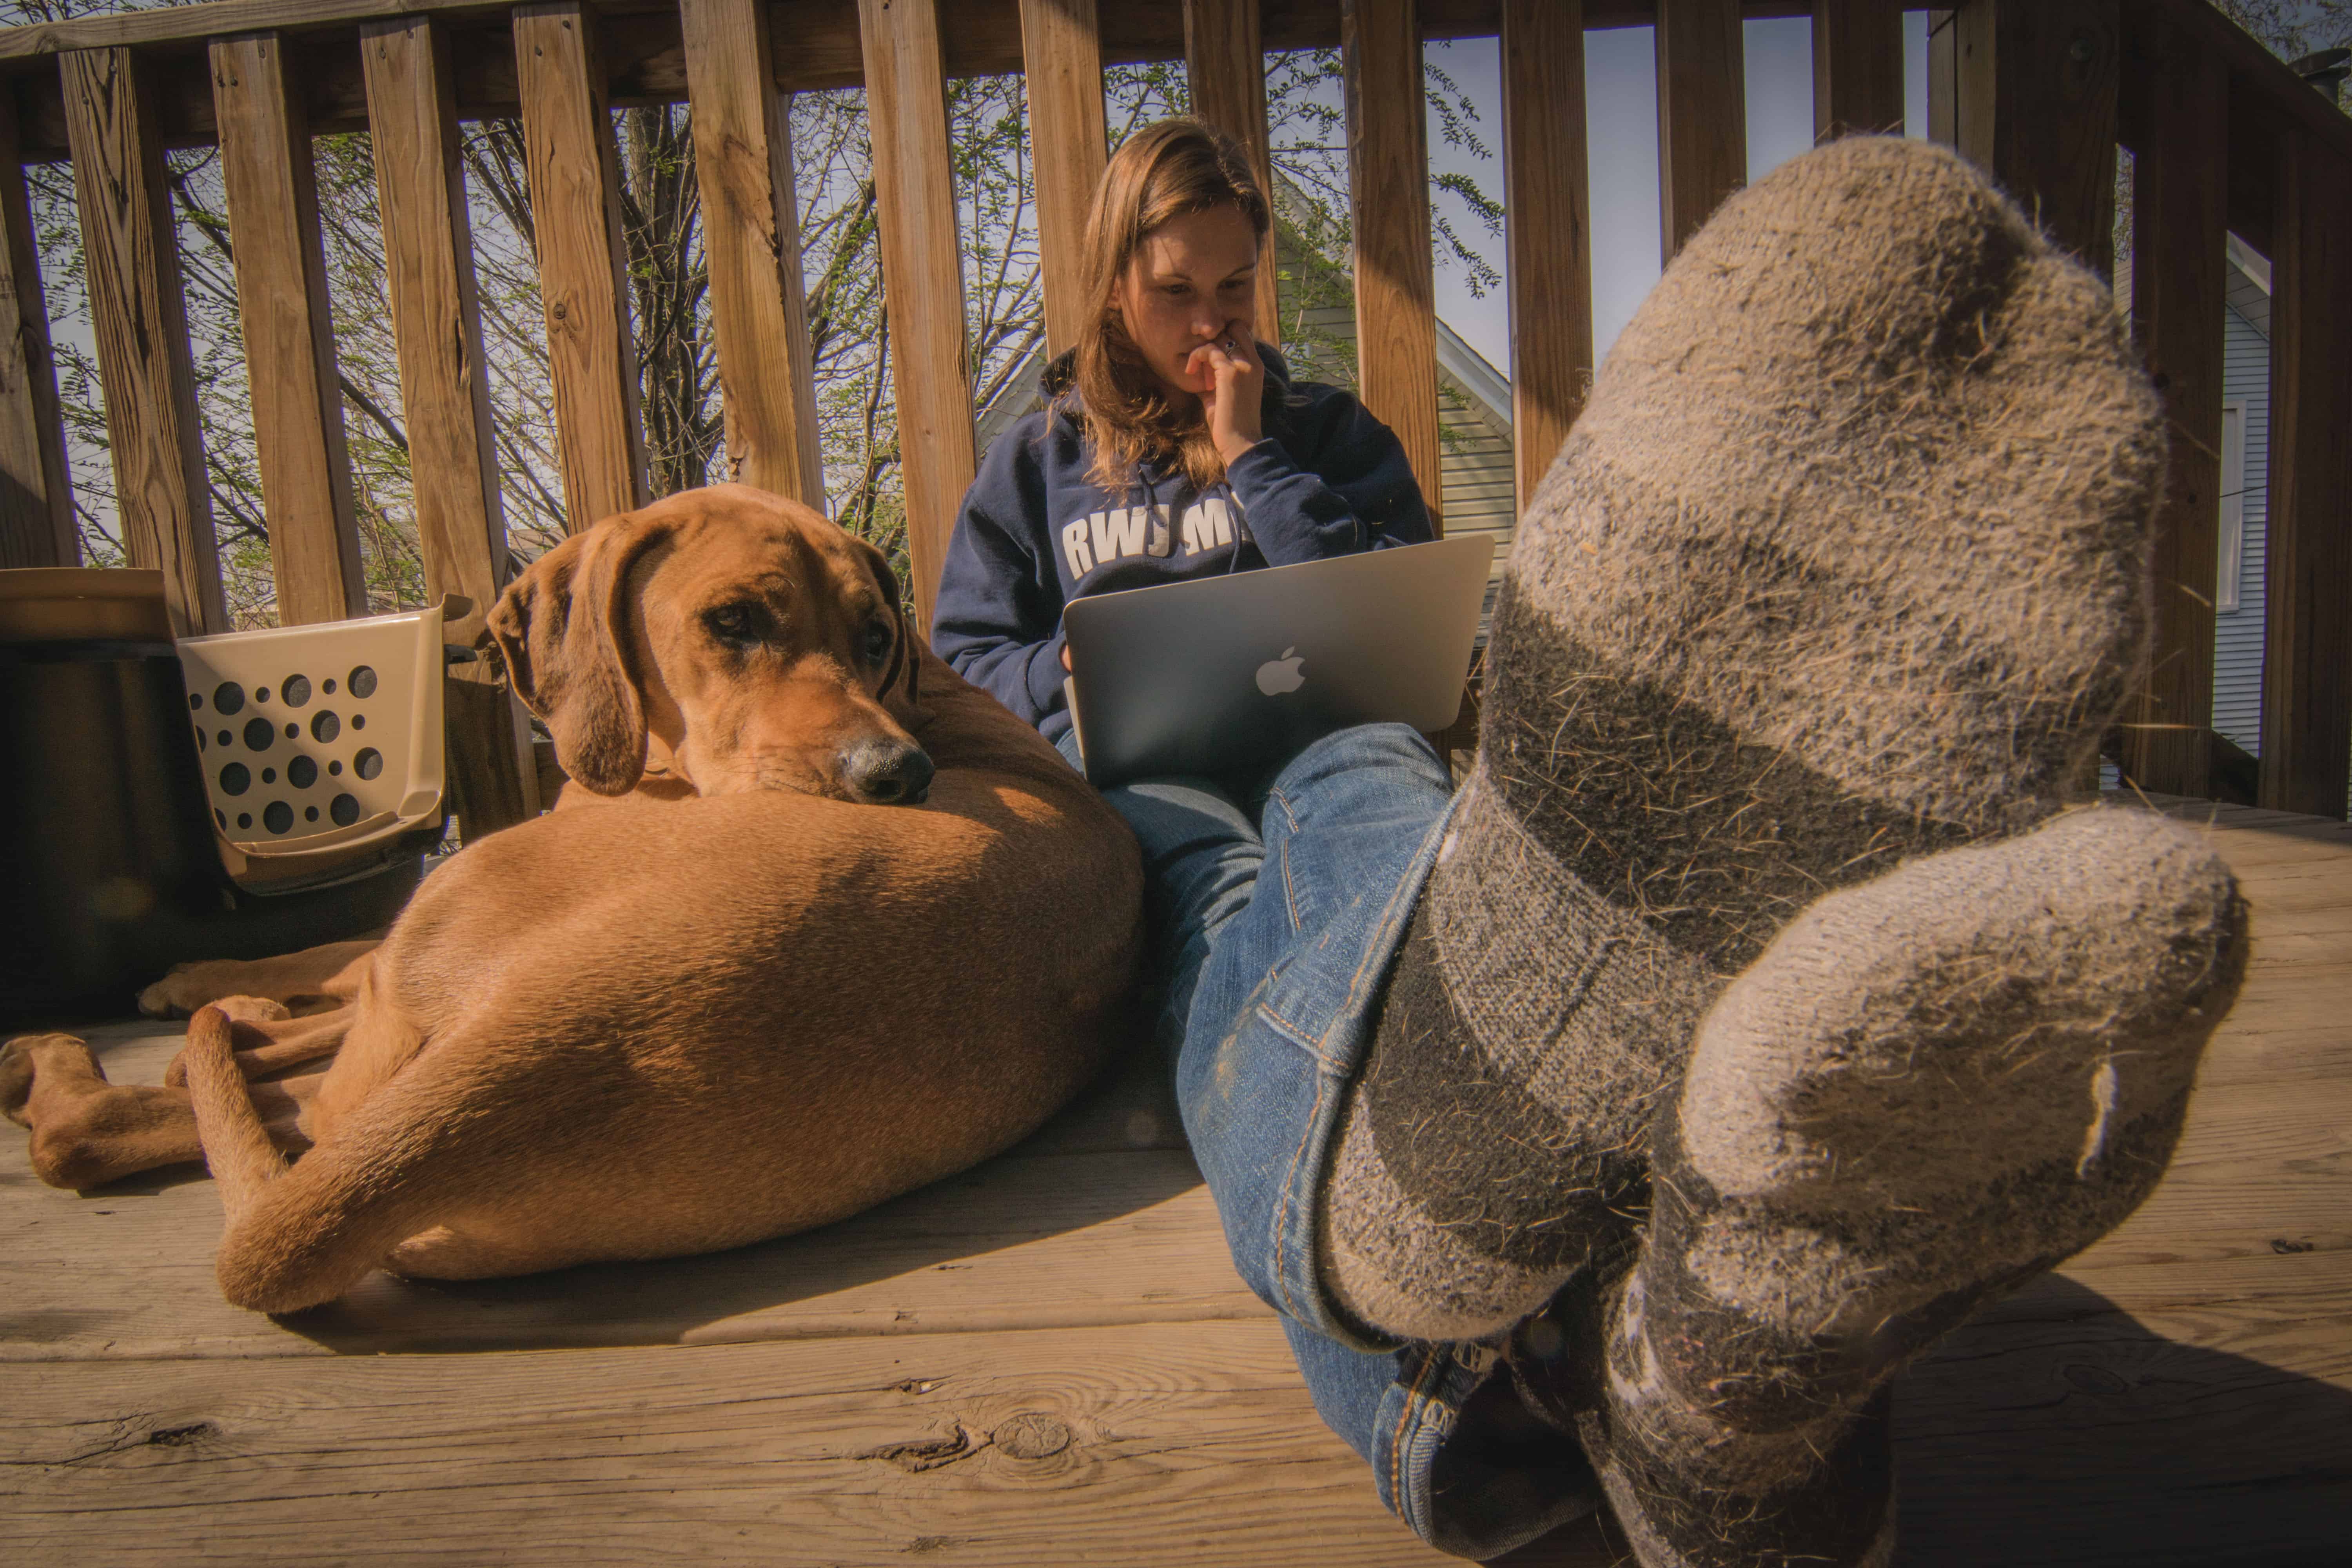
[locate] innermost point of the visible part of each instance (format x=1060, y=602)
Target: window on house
x=2233, y=506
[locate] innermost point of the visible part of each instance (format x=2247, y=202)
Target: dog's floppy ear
x=559, y=627
x=904, y=655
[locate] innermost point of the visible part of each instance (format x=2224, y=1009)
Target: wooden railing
x=2039, y=90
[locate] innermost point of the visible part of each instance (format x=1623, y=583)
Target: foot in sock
x=1927, y=1091
x=1844, y=563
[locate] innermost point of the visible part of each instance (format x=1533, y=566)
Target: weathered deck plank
x=1091, y=1446
x=2178, y=1396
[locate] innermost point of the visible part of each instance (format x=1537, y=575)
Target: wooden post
x=438, y=334
x=2307, y=650
x=1387, y=195
x=2180, y=297
x=1702, y=113
x=132, y=259
x=2037, y=108
x=575, y=211
x=752, y=237
x=1857, y=67
x=1061, y=49
x=36, y=521
x=1225, y=61
x=1943, y=78
x=922, y=275
x=289, y=332
x=1548, y=229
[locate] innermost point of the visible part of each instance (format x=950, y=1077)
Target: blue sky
x=1621, y=110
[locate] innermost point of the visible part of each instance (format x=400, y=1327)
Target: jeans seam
x=1289, y=891
x=1396, y=1439
x=1283, y=1210
x=1292, y=1032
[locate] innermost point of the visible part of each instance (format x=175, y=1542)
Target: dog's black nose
x=888, y=773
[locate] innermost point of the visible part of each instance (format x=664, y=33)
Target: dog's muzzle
x=887, y=773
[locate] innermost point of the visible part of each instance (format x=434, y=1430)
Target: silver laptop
x=1222, y=674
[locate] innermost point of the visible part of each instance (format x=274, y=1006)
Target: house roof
x=2250, y=284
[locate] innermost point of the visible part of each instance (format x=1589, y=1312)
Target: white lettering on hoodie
x=1106, y=536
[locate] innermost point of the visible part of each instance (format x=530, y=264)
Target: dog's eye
x=877, y=641
x=739, y=625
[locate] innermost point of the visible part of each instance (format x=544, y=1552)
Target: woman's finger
x=1207, y=361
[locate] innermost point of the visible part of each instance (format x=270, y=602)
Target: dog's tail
x=301, y=1236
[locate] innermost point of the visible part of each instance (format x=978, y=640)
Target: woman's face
x=1193, y=280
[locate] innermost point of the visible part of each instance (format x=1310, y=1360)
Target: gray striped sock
x=1844, y=563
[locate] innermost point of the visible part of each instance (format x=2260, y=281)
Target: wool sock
x=1928, y=1090
x=1844, y=562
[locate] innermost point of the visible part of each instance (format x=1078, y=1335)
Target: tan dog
x=753, y=1003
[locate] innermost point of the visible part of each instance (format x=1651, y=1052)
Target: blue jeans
x=1269, y=1006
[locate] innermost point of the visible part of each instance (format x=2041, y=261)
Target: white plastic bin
x=317, y=742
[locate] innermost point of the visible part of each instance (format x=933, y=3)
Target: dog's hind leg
x=87, y=1132
x=300, y=1235
x=310, y=981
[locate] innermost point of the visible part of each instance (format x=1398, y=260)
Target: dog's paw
x=185, y=988
x=254, y=1009
x=189, y=986
x=238, y=1010
x=18, y=1062
x=17, y=1079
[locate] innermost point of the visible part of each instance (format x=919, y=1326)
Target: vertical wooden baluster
x=2180, y=297
x=1943, y=78
x=1549, y=229
x=922, y=274
x=2037, y=108
x=132, y=261
x=1388, y=195
x=36, y=521
x=2307, y=649
x=289, y=332
x=1857, y=67
x=444, y=396
x=575, y=212
x=1061, y=49
x=751, y=238
x=1702, y=114
x=1225, y=61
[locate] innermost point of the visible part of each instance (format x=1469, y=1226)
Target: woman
x=1828, y=596
x=1173, y=447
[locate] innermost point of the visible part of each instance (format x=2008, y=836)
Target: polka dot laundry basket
x=318, y=741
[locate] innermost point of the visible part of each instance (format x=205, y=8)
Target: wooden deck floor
x=1049, y=1360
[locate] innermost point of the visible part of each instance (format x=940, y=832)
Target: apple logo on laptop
x=1277, y=676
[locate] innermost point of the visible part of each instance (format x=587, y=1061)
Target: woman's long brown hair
x=1162, y=172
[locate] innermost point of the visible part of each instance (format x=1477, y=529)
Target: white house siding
x=2238, y=634
x=1475, y=462
x=1478, y=486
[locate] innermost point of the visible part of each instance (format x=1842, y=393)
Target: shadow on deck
x=1050, y=1359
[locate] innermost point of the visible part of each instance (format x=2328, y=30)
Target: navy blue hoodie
x=1035, y=533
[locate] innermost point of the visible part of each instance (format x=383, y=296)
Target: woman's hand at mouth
x=1233, y=383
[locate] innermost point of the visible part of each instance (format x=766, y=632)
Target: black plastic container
x=111, y=874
